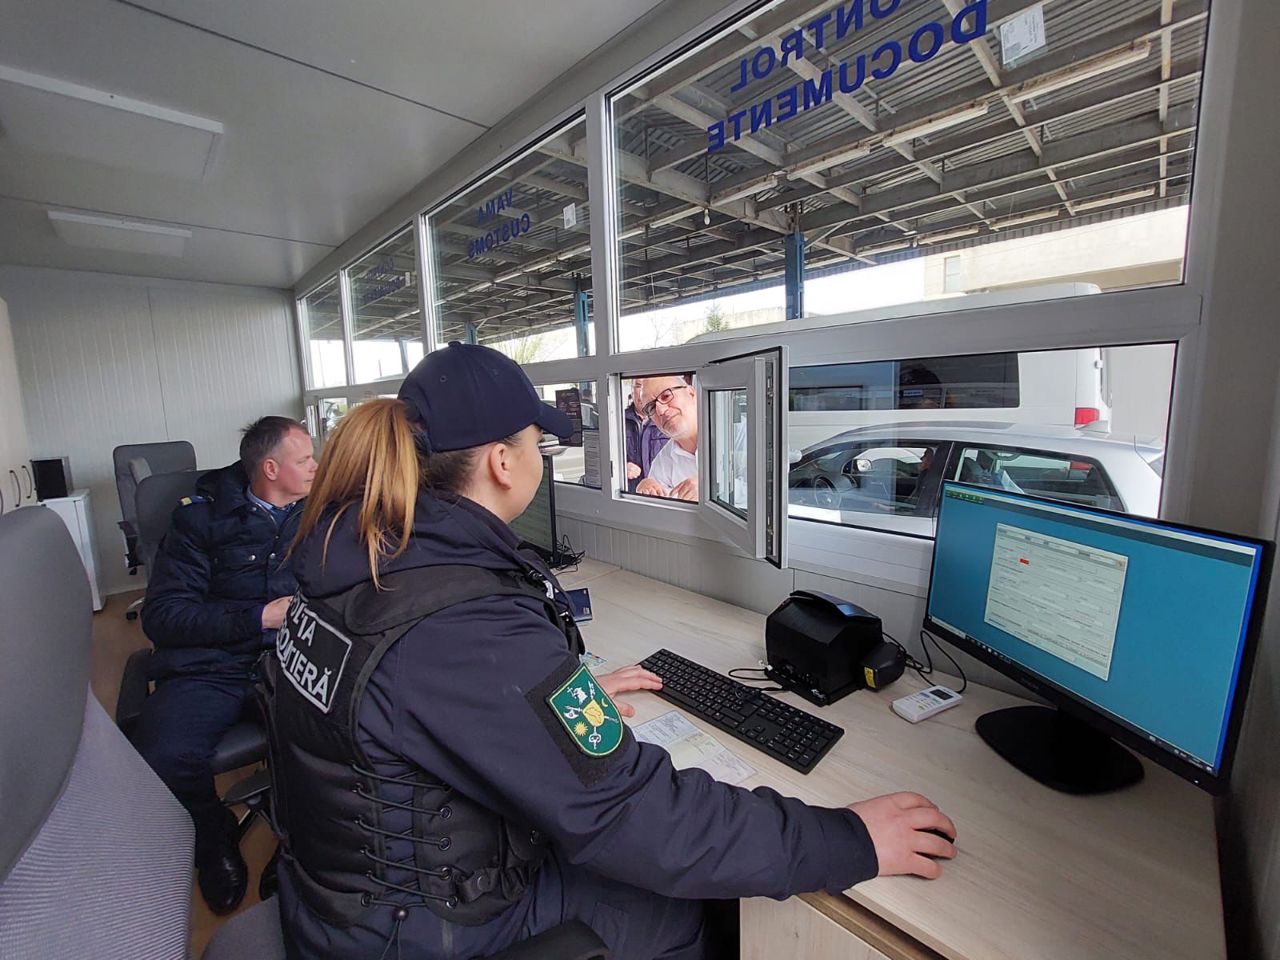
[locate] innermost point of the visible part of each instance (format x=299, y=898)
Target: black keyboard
x=791, y=736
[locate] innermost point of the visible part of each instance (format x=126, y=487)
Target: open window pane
x=513, y=256
x=727, y=447
x=386, y=322
x=742, y=436
x=884, y=152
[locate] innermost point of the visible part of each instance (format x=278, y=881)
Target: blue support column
x=793, y=250
x=471, y=333
x=580, y=320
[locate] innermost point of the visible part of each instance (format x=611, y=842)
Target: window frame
x=1150, y=315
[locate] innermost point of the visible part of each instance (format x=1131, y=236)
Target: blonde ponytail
x=370, y=464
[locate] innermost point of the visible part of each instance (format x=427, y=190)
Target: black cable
x=911, y=661
x=567, y=558
x=925, y=637
x=766, y=678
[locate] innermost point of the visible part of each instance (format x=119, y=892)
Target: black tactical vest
x=329, y=802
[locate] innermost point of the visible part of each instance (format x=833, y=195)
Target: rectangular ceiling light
x=1025, y=218
x=1113, y=199
x=55, y=116
x=114, y=233
x=946, y=235
x=942, y=121
x=1084, y=70
x=882, y=248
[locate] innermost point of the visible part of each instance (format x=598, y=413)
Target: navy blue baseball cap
x=467, y=395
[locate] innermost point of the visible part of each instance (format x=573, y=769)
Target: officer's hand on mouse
x=634, y=677
x=273, y=613
x=899, y=824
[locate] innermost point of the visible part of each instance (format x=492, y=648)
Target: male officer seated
x=218, y=591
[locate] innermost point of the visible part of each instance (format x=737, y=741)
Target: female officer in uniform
x=449, y=778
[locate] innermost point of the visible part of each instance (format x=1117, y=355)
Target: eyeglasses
x=664, y=398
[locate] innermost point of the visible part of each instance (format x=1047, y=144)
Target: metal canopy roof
x=1103, y=118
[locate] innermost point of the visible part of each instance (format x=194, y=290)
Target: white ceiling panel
x=27, y=238
x=49, y=115
x=477, y=59
x=305, y=158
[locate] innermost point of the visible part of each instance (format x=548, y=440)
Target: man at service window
x=672, y=404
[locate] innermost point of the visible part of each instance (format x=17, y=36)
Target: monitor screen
x=537, y=525
x=1138, y=626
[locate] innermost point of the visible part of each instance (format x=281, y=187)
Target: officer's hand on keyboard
x=898, y=823
x=634, y=677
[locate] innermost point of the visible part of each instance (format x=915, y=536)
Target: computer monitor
x=537, y=525
x=1136, y=629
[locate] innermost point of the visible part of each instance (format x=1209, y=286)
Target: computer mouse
x=936, y=833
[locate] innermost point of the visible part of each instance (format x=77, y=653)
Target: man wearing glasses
x=672, y=404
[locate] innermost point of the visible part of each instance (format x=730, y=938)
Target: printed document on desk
x=690, y=747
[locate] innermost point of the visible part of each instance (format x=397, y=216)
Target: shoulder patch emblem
x=188, y=501
x=587, y=713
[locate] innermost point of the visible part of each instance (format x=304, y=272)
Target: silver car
x=888, y=476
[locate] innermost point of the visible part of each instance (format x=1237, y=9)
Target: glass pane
x=871, y=442
x=577, y=462
x=332, y=410
x=886, y=152
x=322, y=317
x=513, y=256
x=661, y=422
x=1073, y=479
x=386, y=320
x=727, y=447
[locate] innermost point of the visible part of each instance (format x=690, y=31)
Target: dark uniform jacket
x=222, y=561
x=460, y=696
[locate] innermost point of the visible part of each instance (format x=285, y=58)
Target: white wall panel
x=225, y=359
x=107, y=360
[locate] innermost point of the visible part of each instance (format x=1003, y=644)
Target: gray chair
x=95, y=854
x=155, y=499
x=134, y=462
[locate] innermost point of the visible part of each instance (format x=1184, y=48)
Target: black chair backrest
x=166, y=456
x=157, y=496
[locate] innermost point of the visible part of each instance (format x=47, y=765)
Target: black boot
x=222, y=876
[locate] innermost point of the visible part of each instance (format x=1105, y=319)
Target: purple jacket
x=644, y=440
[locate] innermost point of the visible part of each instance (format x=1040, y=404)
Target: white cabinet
x=75, y=513
x=17, y=486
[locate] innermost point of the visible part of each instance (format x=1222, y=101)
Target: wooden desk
x=1040, y=876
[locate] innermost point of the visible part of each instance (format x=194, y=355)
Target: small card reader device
x=925, y=703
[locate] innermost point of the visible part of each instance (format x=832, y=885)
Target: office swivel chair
x=133, y=463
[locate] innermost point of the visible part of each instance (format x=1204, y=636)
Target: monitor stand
x=1058, y=750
